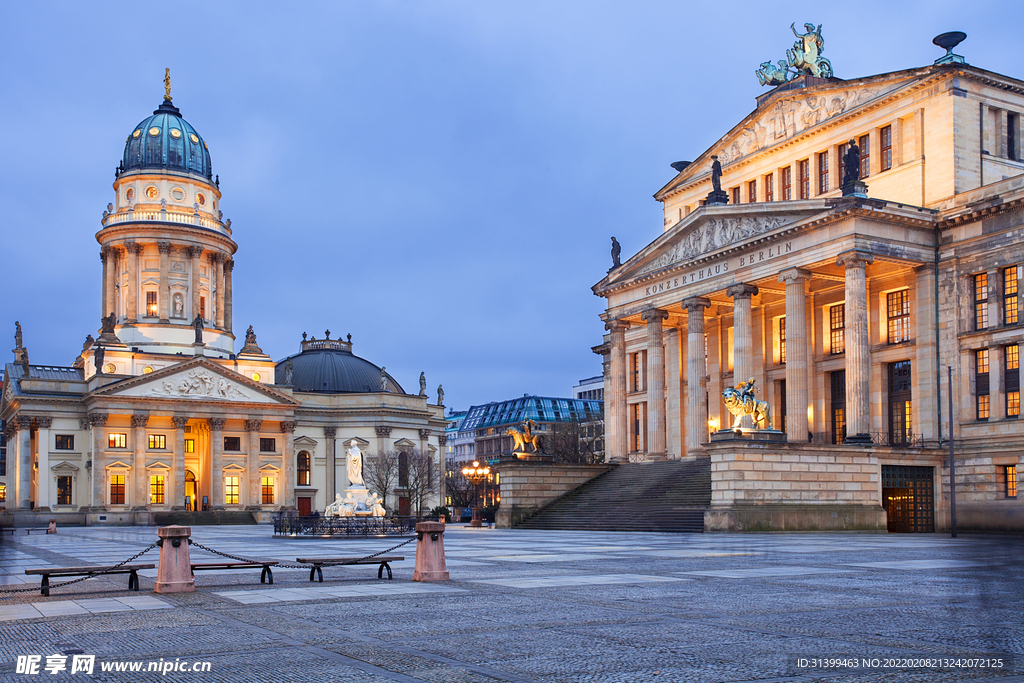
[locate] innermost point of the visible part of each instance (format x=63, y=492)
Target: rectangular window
x=151, y=305
x=117, y=441
x=885, y=135
x=865, y=155
x=981, y=384
x=822, y=172
x=981, y=301
x=202, y=307
x=232, y=443
x=837, y=329
x=638, y=361
x=1010, y=295
x=1011, y=136
x=190, y=445
x=752, y=191
x=65, y=442
x=157, y=441
x=804, y=175
x=1011, y=355
x=156, y=489
x=900, y=407
x=898, y=308
x=782, y=340
x=769, y=188
x=267, y=490
x=838, y=387
x=842, y=161
x=636, y=431
x=268, y=445
x=231, y=490
x=787, y=183
x=63, y=490
x=735, y=192
x=1011, y=481
x=117, y=489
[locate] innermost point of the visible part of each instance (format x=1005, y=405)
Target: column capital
x=696, y=303
x=442, y=440
x=215, y=257
x=741, y=290
x=253, y=425
x=44, y=422
x=791, y=275
x=140, y=420
x=855, y=259
x=83, y=423
x=180, y=422
x=97, y=419
x=229, y=264
x=287, y=427
x=330, y=432
x=132, y=247
x=382, y=430
x=163, y=247
x=653, y=314
x=195, y=251
x=616, y=325
x=424, y=433
x=216, y=422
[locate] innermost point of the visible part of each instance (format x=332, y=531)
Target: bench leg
x=380, y=570
x=44, y=588
x=267, y=574
x=312, y=573
x=319, y=574
x=133, y=581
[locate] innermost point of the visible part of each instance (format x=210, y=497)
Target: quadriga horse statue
x=740, y=401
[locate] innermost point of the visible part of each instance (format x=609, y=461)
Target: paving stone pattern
x=533, y=605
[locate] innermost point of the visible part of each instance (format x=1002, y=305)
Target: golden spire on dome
x=167, y=85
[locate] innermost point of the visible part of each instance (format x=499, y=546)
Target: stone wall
x=528, y=486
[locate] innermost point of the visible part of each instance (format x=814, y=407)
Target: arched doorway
x=191, y=489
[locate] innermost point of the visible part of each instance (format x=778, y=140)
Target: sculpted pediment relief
x=197, y=382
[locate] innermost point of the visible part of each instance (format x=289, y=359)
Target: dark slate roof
x=334, y=370
x=165, y=141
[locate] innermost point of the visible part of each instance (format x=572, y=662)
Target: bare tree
x=422, y=478
x=380, y=473
x=460, y=490
x=575, y=441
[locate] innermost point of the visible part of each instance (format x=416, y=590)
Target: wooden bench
x=266, y=576
x=318, y=562
x=37, y=529
x=132, y=570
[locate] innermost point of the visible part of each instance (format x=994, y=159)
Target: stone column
x=696, y=376
x=229, y=267
x=673, y=377
x=655, y=384
x=858, y=350
x=331, y=485
x=742, y=340
x=797, y=370
x=165, y=286
x=383, y=434
x=23, y=494
x=107, y=268
x=43, y=425
x=217, y=281
x=287, y=430
x=139, y=478
x=217, y=462
x=177, y=494
x=195, y=252
x=131, y=287
x=923, y=368
x=252, y=462
x=99, y=469
x=110, y=279
x=616, y=412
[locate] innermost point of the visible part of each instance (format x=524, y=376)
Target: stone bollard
x=52, y=529
x=430, y=565
x=174, y=574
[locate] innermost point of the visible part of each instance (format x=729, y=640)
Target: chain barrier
x=91, y=575
x=287, y=565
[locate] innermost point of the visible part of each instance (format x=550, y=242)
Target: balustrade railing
x=897, y=440
x=165, y=217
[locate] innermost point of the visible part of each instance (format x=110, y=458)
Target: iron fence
x=900, y=440
x=393, y=525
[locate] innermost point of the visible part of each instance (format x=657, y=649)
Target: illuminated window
x=898, y=308
x=637, y=431
x=752, y=191
x=268, y=445
x=303, y=469
x=822, y=172
x=787, y=183
x=3, y=493
x=1012, y=379
x=64, y=490
x=900, y=408
x=267, y=490
x=804, y=178
x=231, y=490
x=637, y=362
x=232, y=443
x=782, y=340
x=837, y=329
x=151, y=306
x=838, y=386
x=65, y=442
x=885, y=135
x=156, y=489
x=1010, y=276
x=865, y=155
x=256, y=377
x=202, y=307
x=1011, y=481
x=157, y=441
x=981, y=301
x=981, y=384
x=190, y=445
x=117, y=489
x=117, y=440
x=769, y=187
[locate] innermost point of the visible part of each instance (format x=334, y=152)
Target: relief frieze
x=721, y=267
x=713, y=234
x=199, y=384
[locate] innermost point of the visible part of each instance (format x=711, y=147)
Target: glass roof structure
x=537, y=408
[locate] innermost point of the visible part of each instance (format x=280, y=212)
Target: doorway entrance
x=305, y=506
x=909, y=499
x=191, y=489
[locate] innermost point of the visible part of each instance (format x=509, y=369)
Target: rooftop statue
x=616, y=251
x=716, y=173
x=851, y=162
x=383, y=379
x=805, y=56
x=17, y=335
x=197, y=323
x=107, y=324
x=740, y=401
x=167, y=85
x=769, y=74
x=423, y=384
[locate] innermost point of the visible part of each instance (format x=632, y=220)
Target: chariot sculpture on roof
x=804, y=58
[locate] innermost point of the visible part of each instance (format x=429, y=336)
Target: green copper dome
x=166, y=142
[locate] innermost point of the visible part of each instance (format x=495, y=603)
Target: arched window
x=303, y=469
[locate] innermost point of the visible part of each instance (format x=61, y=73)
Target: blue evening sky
x=439, y=179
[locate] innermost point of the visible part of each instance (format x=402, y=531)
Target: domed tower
x=166, y=253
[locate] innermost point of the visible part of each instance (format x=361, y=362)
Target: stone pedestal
x=430, y=564
x=197, y=349
x=854, y=188
x=174, y=574
x=718, y=197
x=749, y=435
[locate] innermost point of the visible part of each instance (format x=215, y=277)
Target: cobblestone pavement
x=529, y=606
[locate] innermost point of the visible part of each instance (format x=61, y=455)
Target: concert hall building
x=846, y=310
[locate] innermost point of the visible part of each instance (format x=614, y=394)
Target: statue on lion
x=740, y=401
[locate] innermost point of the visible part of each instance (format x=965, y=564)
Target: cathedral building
x=159, y=413
x=846, y=296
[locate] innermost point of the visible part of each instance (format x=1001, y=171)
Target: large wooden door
x=305, y=506
x=908, y=497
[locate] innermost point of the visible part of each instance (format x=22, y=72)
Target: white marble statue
x=334, y=509
x=355, y=466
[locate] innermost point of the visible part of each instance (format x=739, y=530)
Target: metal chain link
x=90, y=575
x=301, y=566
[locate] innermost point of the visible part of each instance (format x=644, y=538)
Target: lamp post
x=475, y=475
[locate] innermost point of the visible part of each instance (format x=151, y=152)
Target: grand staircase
x=185, y=518
x=651, y=496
